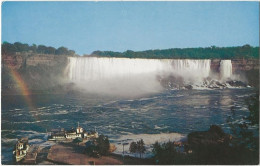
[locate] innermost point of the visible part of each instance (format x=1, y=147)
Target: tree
x=21, y=47
x=62, y=51
x=140, y=147
x=103, y=144
x=50, y=50
x=71, y=52
x=33, y=48
x=91, y=148
x=8, y=48
x=165, y=153
x=253, y=106
x=41, y=49
x=133, y=147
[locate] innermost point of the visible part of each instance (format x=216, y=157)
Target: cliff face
x=215, y=64
x=20, y=60
x=39, y=71
x=45, y=71
x=41, y=60
x=13, y=61
x=245, y=65
x=237, y=65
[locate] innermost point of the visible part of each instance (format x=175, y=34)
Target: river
x=171, y=114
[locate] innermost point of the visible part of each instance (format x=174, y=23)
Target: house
x=71, y=134
x=21, y=149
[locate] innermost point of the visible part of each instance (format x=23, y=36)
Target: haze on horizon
x=119, y=26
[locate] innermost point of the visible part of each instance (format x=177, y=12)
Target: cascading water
x=225, y=69
x=122, y=76
x=91, y=69
x=98, y=69
x=191, y=70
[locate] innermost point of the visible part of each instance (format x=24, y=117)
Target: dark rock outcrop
x=237, y=83
x=214, y=136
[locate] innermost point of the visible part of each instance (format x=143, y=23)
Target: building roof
x=58, y=134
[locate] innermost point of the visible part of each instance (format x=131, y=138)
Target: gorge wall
x=237, y=65
x=45, y=71
x=126, y=75
x=40, y=72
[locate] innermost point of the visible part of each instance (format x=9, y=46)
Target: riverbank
x=68, y=154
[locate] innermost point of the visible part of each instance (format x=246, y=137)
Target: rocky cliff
x=45, y=71
x=237, y=65
x=40, y=72
x=22, y=60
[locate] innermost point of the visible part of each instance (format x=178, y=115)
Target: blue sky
x=120, y=26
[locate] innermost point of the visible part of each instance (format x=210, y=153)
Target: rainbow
x=25, y=92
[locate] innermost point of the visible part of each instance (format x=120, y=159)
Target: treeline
x=8, y=48
x=213, y=52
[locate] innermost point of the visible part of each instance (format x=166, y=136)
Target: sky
x=119, y=26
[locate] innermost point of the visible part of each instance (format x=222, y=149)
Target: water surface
x=162, y=116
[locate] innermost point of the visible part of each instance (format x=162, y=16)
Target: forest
x=8, y=48
x=213, y=52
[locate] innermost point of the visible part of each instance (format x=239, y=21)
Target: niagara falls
x=123, y=76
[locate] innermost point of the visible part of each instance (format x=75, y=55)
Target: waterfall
x=225, y=69
x=98, y=69
x=193, y=70
x=133, y=76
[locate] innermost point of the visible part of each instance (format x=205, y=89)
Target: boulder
x=214, y=136
x=237, y=83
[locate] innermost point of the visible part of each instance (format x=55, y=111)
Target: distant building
x=21, y=149
x=72, y=134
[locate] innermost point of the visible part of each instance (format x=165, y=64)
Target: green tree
x=103, y=144
x=33, y=48
x=71, y=52
x=253, y=106
x=41, y=49
x=62, y=51
x=8, y=48
x=50, y=50
x=140, y=147
x=133, y=147
x=165, y=153
x=21, y=47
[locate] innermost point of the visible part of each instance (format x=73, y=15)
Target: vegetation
x=98, y=146
x=246, y=133
x=253, y=106
x=165, y=153
x=137, y=147
x=8, y=48
x=213, y=52
x=40, y=76
x=103, y=144
x=215, y=146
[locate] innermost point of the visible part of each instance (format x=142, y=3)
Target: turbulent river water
x=170, y=114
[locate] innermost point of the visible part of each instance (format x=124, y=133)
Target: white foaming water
x=125, y=77
x=132, y=76
x=90, y=69
x=192, y=70
x=225, y=69
x=149, y=140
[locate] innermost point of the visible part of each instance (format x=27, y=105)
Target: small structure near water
x=21, y=149
x=79, y=132
x=25, y=153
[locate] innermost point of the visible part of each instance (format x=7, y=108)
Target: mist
x=124, y=77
